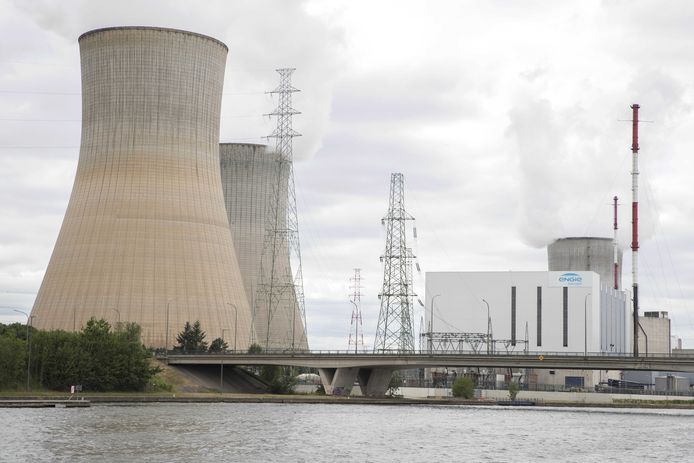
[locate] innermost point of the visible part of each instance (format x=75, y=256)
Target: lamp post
x=118, y=312
x=28, y=345
x=431, y=323
x=585, y=325
x=489, y=321
x=236, y=323
x=166, y=341
x=221, y=365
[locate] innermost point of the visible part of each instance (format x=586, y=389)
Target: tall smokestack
x=635, y=220
x=145, y=237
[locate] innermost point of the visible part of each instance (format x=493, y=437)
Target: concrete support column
x=338, y=381
x=374, y=381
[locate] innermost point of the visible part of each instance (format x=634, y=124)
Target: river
x=330, y=432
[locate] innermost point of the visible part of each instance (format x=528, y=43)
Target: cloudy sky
x=506, y=118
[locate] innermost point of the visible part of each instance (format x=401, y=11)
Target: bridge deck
x=419, y=360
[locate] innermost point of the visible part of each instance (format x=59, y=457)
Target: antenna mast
x=614, y=247
x=635, y=220
x=395, y=332
x=356, y=332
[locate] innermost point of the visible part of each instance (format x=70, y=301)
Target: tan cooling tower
x=250, y=177
x=145, y=237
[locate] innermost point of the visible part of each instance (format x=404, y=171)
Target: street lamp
x=221, y=364
x=28, y=345
x=236, y=324
x=118, y=312
x=489, y=322
x=585, y=325
x=431, y=323
x=166, y=341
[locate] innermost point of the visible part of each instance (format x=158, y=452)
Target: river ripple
x=329, y=432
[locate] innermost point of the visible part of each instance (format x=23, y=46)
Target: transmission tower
x=395, y=327
x=356, y=332
x=279, y=314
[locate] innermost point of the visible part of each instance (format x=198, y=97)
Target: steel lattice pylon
x=395, y=331
x=356, y=332
x=280, y=298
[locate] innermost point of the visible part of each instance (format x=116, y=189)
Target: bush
x=156, y=384
x=394, y=384
x=513, y=390
x=463, y=387
x=255, y=349
x=279, y=379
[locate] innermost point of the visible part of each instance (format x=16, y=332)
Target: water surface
x=328, y=432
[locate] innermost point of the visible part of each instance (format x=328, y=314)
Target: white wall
x=459, y=308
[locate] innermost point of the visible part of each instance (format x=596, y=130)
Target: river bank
x=135, y=398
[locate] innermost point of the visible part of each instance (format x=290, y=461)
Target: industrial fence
x=494, y=385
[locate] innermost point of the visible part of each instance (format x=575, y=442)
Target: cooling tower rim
x=231, y=143
x=595, y=238
x=152, y=28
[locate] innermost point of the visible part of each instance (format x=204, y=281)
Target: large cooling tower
x=586, y=253
x=145, y=237
x=250, y=177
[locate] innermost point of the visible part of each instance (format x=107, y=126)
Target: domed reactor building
x=145, y=237
x=254, y=180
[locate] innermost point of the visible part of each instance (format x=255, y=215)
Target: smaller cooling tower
x=586, y=253
x=252, y=177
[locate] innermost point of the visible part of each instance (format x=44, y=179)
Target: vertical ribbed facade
x=250, y=177
x=145, y=237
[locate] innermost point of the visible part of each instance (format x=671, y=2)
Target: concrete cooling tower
x=145, y=237
x=587, y=253
x=250, y=176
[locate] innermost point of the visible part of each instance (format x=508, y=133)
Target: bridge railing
x=423, y=353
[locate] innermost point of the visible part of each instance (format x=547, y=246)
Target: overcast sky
x=506, y=119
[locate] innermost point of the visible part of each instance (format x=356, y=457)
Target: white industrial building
x=543, y=312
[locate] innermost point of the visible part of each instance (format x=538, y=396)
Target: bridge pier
x=374, y=381
x=338, y=381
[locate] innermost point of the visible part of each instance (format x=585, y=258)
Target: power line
x=36, y=92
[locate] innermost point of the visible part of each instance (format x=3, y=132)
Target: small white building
x=656, y=336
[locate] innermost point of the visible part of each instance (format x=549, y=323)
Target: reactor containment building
x=145, y=237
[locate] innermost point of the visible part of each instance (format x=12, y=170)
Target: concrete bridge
x=339, y=369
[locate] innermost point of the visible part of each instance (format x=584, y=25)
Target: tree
x=463, y=387
x=394, y=384
x=218, y=345
x=192, y=338
x=13, y=353
x=280, y=380
x=513, y=389
x=255, y=348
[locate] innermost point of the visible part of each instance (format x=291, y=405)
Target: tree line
x=103, y=359
x=98, y=357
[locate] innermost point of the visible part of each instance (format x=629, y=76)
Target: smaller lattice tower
x=395, y=331
x=356, y=331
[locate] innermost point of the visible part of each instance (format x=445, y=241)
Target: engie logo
x=571, y=279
